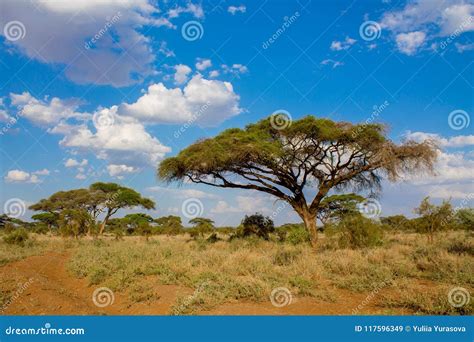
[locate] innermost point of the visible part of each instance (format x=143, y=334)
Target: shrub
x=284, y=257
x=18, y=237
x=298, y=235
x=357, y=231
x=257, y=225
x=461, y=247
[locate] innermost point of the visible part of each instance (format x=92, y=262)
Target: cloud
x=332, y=62
x=342, y=45
x=457, y=141
x=19, y=176
x=409, y=43
x=457, y=18
x=44, y=172
x=372, y=46
x=46, y=113
x=182, y=193
x=203, y=64
x=4, y=117
x=234, y=69
x=449, y=168
x=434, y=18
x=117, y=134
x=181, y=74
x=123, y=140
x=194, y=9
x=214, y=73
x=74, y=163
x=165, y=105
x=236, y=9
x=100, y=42
x=464, y=47
x=244, y=204
x=119, y=170
x=456, y=191
x=165, y=51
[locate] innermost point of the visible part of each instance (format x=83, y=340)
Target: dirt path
x=41, y=285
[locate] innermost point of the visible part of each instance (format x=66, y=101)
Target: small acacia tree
x=433, y=216
x=171, y=224
x=50, y=219
x=335, y=207
x=99, y=198
x=256, y=224
x=201, y=225
x=298, y=163
x=118, y=197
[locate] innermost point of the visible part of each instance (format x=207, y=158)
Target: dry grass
x=249, y=269
x=36, y=245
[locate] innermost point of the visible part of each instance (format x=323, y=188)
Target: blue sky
x=104, y=90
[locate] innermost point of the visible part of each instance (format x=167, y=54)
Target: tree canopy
x=299, y=163
x=99, y=198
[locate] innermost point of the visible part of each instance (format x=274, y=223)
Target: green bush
x=298, y=235
x=17, y=237
x=257, y=225
x=357, y=231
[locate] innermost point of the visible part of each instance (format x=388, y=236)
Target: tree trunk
x=102, y=225
x=309, y=220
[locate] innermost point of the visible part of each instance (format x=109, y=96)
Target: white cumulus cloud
x=212, y=101
x=409, y=43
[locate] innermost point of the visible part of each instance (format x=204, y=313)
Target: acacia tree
x=76, y=199
x=337, y=206
x=118, y=197
x=433, y=216
x=48, y=218
x=99, y=198
x=298, y=163
x=202, y=225
x=170, y=224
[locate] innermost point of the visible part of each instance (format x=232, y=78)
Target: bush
x=284, y=257
x=257, y=225
x=297, y=234
x=357, y=232
x=17, y=237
